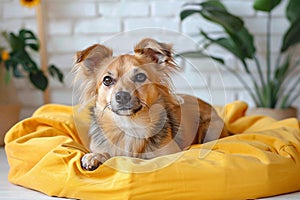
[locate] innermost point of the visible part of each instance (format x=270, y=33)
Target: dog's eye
x=107, y=81
x=140, y=77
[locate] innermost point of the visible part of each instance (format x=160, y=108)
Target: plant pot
x=278, y=114
x=9, y=105
x=9, y=115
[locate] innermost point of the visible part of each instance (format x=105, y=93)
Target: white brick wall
x=60, y=27
x=98, y=26
x=13, y=9
x=75, y=24
x=71, y=9
x=279, y=25
x=124, y=9
x=166, y=8
x=162, y=22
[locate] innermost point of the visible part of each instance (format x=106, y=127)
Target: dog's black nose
x=122, y=97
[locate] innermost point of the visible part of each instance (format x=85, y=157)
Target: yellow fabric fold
x=261, y=159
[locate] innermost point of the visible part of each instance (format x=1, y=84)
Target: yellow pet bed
x=44, y=154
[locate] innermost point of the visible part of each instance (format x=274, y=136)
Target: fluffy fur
x=134, y=111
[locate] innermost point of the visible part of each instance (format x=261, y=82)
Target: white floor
x=10, y=191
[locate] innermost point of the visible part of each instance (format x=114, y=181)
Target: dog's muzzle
x=125, y=104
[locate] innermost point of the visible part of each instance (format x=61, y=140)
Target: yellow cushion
x=44, y=154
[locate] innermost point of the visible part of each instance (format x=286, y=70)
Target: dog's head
x=125, y=84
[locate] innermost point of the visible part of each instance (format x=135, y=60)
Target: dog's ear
x=87, y=63
x=160, y=53
x=93, y=56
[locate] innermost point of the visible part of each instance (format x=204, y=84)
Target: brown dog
x=133, y=108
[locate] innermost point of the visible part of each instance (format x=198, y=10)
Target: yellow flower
x=29, y=3
x=4, y=55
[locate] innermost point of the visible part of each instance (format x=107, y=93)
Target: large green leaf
x=245, y=41
x=265, y=5
x=213, y=3
x=27, y=34
x=239, y=44
x=215, y=11
x=29, y=39
x=38, y=79
x=292, y=36
x=293, y=10
x=229, y=44
x=186, y=13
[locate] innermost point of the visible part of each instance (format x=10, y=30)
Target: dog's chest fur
x=126, y=136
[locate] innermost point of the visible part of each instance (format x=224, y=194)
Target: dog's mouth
x=127, y=110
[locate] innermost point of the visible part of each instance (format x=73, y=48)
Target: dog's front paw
x=91, y=161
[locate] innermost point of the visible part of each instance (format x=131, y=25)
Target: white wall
x=73, y=25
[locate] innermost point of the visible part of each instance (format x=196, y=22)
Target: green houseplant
x=17, y=60
x=272, y=89
x=19, y=63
